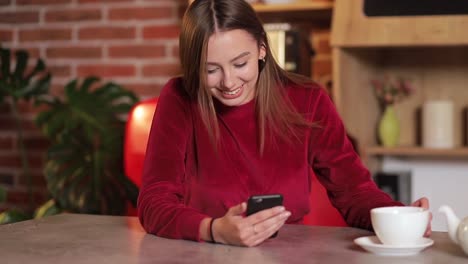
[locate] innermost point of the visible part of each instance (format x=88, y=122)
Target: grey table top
x=73, y=238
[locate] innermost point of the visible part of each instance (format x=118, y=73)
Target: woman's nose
x=228, y=80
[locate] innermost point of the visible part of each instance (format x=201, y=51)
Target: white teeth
x=233, y=92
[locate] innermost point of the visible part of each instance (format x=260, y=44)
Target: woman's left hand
x=424, y=203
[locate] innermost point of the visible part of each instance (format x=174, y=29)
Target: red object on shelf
x=136, y=138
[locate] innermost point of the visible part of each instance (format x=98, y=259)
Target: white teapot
x=457, y=229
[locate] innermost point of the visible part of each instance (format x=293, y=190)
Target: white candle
x=437, y=121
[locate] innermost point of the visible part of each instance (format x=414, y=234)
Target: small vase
x=389, y=127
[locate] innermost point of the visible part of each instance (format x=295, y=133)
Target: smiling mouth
x=233, y=92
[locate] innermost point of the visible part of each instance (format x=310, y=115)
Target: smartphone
x=258, y=203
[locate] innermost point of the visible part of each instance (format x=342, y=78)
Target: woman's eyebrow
x=243, y=54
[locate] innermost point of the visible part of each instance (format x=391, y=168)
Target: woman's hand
x=235, y=229
x=424, y=203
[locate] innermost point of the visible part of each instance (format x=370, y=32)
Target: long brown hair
x=274, y=111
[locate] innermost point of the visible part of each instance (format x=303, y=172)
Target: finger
x=237, y=209
x=263, y=230
x=429, y=229
x=422, y=202
x=266, y=234
x=272, y=221
x=265, y=214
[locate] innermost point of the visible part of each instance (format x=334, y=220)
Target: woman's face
x=232, y=66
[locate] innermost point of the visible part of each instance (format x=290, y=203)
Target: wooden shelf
x=299, y=6
x=299, y=12
x=417, y=152
x=352, y=28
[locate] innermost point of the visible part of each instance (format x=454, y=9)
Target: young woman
x=237, y=125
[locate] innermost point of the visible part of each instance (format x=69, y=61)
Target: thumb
x=237, y=209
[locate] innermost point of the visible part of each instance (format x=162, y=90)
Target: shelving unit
x=300, y=11
x=429, y=50
x=417, y=152
x=324, y=6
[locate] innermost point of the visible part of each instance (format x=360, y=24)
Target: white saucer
x=373, y=244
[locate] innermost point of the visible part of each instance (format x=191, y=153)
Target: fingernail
x=286, y=214
x=281, y=209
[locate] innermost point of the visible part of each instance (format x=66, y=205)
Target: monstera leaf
x=20, y=82
x=84, y=168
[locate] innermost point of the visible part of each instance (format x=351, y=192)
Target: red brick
x=10, y=160
x=137, y=51
x=106, y=32
x=19, y=17
x=73, y=15
x=5, y=2
x=9, y=124
x=60, y=70
x=37, y=179
x=25, y=107
x=7, y=178
x=33, y=53
x=44, y=34
x=4, y=108
x=106, y=70
x=22, y=196
x=6, y=35
x=182, y=8
x=156, y=32
x=57, y=90
x=103, y=1
x=42, y=2
x=75, y=52
x=17, y=196
x=144, y=89
x=141, y=13
x=161, y=70
x=36, y=143
x=13, y=160
x=6, y=142
x=175, y=51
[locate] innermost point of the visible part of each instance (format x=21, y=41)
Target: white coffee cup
x=400, y=225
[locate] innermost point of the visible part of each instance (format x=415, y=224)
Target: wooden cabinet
x=430, y=50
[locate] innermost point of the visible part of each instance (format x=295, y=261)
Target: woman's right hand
x=235, y=229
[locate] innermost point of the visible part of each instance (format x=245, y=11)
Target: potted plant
x=16, y=84
x=84, y=167
x=389, y=91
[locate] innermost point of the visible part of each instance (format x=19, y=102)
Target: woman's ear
x=262, y=52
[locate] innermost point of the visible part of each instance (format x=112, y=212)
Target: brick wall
x=131, y=42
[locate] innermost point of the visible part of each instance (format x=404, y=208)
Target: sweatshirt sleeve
x=161, y=207
x=338, y=167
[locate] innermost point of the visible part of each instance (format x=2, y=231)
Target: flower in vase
x=390, y=90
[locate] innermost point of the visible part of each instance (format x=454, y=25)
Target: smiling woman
x=237, y=125
x=232, y=74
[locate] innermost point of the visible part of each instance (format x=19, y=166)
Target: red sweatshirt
x=185, y=180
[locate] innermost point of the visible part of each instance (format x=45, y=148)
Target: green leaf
x=3, y=194
x=86, y=152
x=40, y=66
x=70, y=88
x=47, y=209
x=88, y=82
x=5, y=59
x=13, y=216
x=22, y=58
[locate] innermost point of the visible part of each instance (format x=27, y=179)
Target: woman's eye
x=210, y=71
x=240, y=65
